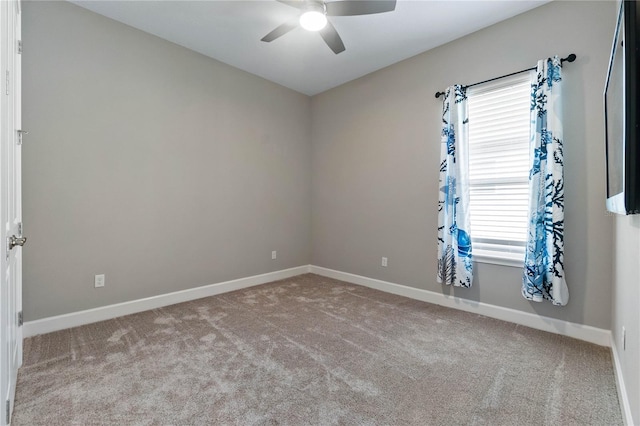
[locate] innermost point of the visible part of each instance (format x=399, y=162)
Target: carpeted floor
x=312, y=350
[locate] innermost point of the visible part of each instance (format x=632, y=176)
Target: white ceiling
x=230, y=31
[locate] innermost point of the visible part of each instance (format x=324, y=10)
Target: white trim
x=623, y=397
x=482, y=256
x=577, y=331
x=74, y=319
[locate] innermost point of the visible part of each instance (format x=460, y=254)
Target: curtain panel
x=544, y=277
x=455, y=265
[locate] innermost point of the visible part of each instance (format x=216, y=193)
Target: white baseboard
x=74, y=319
x=578, y=331
x=622, y=390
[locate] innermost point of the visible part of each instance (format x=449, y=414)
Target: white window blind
x=499, y=168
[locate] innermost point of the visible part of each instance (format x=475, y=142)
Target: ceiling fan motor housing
x=315, y=6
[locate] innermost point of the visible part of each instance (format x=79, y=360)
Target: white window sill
x=515, y=260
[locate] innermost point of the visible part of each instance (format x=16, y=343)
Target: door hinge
x=20, y=319
x=8, y=407
x=20, y=134
x=19, y=229
x=19, y=47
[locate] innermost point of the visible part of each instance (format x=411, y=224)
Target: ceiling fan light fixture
x=313, y=19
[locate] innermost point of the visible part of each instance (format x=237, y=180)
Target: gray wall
x=626, y=300
x=375, y=156
x=626, y=303
x=152, y=164
x=167, y=170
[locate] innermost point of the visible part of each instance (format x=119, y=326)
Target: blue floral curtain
x=544, y=257
x=455, y=266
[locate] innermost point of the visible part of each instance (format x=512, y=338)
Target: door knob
x=15, y=241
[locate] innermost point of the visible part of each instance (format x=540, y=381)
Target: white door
x=10, y=205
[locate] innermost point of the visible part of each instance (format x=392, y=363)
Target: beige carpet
x=311, y=350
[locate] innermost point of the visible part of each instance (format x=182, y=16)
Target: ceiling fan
x=315, y=12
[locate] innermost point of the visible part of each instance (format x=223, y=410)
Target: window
x=499, y=168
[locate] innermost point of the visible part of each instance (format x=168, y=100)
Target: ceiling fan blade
x=359, y=7
x=331, y=37
x=293, y=3
x=280, y=31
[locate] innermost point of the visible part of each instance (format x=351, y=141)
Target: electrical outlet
x=624, y=338
x=274, y=254
x=384, y=262
x=98, y=281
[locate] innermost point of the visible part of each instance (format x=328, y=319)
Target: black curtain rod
x=570, y=58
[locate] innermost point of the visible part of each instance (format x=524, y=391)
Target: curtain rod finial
x=438, y=94
x=572, y=57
